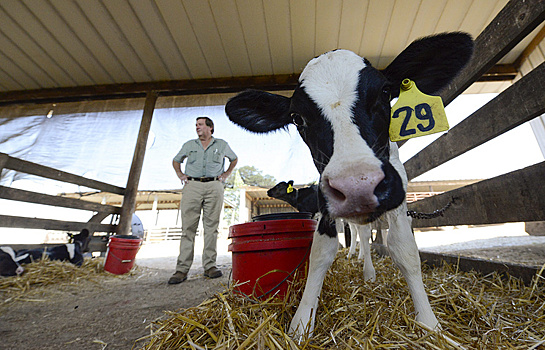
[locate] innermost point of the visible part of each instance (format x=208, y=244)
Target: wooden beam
x=521, y=102
x=512, y=24
x=47, y=224
x=129, y=200
x=40, y=198
x=55, y=174
x=513, y=197
x=163, y=88
x=3, y=161
x=173, y=88
x=524, y=272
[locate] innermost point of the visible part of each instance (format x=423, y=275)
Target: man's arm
x=178, y=169
x=229, y=170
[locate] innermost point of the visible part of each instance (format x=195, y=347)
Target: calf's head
x=283, y=190
x=341, y=107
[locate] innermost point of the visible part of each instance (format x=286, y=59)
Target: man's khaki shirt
x=205, y=163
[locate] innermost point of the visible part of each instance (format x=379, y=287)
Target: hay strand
x=475, y=312
x=45, y=272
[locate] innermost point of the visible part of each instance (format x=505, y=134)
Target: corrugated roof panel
x=161, y=38
x=230, y=30
x=175, y=17
x=255, y=36
x=77, y=20
x=137, y=38
x=402, y=19
x=34, y=52
x=478, y=16
x=203, y=23
x=328, y=24
x=453, y=15
x=18, y=75
x=42, y=37
x=277, y=20
x=352, y=23
x=423, y=25
x=59, y=43
x=69, y=41
x=14, y=54
x=116, y=41
x=376, y=27
x=303, y=32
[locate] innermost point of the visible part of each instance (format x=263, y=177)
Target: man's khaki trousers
x=197, y=196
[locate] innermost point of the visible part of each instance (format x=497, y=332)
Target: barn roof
x=68, y=50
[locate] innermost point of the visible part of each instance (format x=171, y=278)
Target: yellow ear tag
x=289, y=189
x=416, y=114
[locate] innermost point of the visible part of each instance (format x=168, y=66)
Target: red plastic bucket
x=121, y=253
x=268, y=254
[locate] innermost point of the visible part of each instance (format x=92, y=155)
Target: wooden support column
x=3, y=161
x=129, y=199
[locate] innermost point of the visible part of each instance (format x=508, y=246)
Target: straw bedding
x=475, y=312
x=45, y=273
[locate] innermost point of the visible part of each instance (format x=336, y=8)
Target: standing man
x=203, y=190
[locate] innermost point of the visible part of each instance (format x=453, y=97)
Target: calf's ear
x=259, y=111
x=431, y=62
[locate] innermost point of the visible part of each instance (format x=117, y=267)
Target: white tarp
x=100, y=146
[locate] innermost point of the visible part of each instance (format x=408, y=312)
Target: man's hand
x=183, y=178
x=223, y=177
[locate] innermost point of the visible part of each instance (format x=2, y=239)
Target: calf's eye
x=386, y=91
x=298, y=120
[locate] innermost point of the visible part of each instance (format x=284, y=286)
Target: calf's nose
x=352, y=195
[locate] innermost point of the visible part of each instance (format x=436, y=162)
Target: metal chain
x=435, y=214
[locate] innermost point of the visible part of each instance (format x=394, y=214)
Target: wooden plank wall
x=514, y=197
x=93, y=225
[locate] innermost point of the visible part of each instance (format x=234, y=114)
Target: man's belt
x=203, y=179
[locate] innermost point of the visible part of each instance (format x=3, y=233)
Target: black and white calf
x=9, y=264
x=11, y=261
x=72, y=252
x=341, y=108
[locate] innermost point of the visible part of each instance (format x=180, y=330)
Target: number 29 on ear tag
x=416, y=114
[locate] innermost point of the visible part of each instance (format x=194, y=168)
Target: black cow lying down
x=11, y=260
x=341, y=108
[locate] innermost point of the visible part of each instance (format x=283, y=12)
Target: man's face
x=202, y=128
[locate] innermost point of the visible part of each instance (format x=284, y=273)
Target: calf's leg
x=404, y=253
x=322, y=254
x=364, y=232
x=353, y=239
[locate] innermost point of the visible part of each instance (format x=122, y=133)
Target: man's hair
x=208, y=122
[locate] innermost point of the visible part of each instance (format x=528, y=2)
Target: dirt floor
x=113, y=312
x=110, y=313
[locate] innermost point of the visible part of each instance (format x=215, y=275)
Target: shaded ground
x=112, y=312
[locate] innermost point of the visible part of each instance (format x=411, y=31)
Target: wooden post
x=3, y=160
x=129, y=199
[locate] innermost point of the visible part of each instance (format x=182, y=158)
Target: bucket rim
x=272, y=227
x=127, y=237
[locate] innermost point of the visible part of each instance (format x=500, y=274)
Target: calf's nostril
x=334, y=192
x=337, y=194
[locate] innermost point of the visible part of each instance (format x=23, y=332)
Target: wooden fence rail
x=513, y=197
x=93, y=225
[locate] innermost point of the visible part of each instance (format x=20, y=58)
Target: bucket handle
x=285, y=278
x=122, y=261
